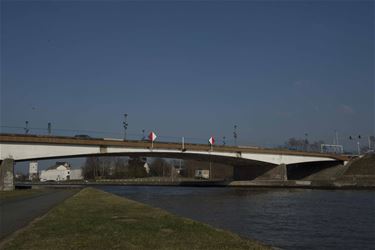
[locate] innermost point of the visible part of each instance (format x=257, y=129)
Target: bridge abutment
x=315, y=170
x=7, y=175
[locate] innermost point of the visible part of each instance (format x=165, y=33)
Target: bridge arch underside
x=243, y=169
x=234, y=161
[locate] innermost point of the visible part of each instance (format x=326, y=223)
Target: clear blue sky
x=193, y=69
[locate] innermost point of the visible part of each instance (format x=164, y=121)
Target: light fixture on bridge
x=49, y=128
x=235, y=135
x=125, y=123
x=27, y=127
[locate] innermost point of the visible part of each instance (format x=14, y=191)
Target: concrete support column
x=283, y=172
x=7, y=175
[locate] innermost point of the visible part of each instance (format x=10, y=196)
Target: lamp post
x=358, y=145
x=235, y=135
x=49, y=128
x=125, y=123
x=27, y=127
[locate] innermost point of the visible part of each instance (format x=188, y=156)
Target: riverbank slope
x=94, y=219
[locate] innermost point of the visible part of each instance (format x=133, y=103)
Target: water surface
x=285, y=218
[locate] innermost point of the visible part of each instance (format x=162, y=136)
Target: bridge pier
x=7, y=175
x=261, y=172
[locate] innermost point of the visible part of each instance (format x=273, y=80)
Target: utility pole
x=27, y=127
x=125, y=123
x=235, y=135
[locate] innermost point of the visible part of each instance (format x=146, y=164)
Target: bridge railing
x=98, y=134
x=131, y=136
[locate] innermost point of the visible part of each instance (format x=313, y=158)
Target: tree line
x=113, y=168
x=302, y=145
x=124, y=168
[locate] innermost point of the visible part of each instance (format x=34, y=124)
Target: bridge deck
x=42, y=139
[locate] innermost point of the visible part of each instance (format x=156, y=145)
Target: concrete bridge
x=248, y=162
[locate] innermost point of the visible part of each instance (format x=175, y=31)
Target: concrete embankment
x=359, y=173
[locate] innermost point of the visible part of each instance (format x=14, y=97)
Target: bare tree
x=160, y=167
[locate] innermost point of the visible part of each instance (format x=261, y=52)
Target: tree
x=120, y=169
x=160, y=167
x=90, y=169
x=303, y=144
x=95, y=167
x=136, y=167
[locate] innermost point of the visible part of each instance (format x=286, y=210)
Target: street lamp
x=125, y=123
x=27, y=127
x=235, y=135
x=49, y=128
x=358, y=145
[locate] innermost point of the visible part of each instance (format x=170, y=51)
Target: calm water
x=285, y=218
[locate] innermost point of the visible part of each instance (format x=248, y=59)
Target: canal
x=284, y=218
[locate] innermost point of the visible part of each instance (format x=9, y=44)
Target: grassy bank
x=93, y=219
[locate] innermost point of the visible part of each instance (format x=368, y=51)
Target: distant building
x=61, y=171
x=33, y=170
x=76, y=174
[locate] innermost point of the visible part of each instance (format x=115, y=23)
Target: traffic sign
x=211, y=140
x=152, y=136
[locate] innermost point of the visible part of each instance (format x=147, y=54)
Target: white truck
x=202, y=174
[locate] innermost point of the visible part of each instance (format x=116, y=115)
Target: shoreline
x=292, y=184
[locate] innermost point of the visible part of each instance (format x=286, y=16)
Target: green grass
x=18, y=193
x=94, y=219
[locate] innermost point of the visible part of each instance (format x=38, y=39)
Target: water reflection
x=286, y=218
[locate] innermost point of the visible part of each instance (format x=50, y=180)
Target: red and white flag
x=211, y=140
x=152, y=136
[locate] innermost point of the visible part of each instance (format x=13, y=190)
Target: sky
x=276, y=69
